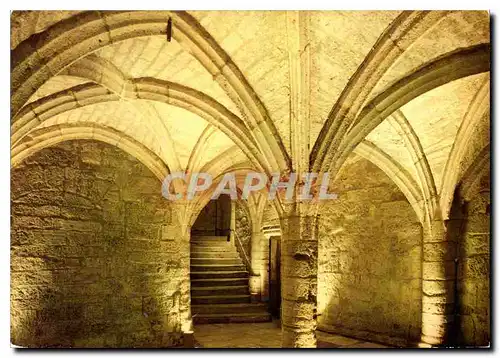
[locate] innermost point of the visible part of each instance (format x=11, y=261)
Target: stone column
x=178, y=228
x=185, y=304
x=299, y=273
x=438, y=285
x=255, y=281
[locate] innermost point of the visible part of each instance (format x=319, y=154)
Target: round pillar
x=299, y=272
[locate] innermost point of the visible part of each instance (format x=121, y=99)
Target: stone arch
x=240, y=169
x=46, y=137
x=82, y=217
x=398, y=37
x=371, y=218
x=100, y=71
x=201, y=143
x=478, y=108
x=215, y=165
x=468, y=226
x=478, y=168
x=143, y=88
x=73, y=38
x=195, y=206
x=396, y=172
x=426, y=180
x=449, y=67
x=219, y=163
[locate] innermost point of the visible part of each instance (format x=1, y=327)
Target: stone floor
x=263, y=335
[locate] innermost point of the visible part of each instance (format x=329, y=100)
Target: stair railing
x=241, y=250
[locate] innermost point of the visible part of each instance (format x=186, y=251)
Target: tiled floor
x=263, y=335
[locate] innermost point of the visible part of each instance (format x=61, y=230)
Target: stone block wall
x=243, y=228
x=96, y=260
x=369, y=259
x=471, y=227
x=270, y=216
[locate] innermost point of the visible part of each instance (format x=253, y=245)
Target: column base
x=188, y=338
x=430, y=342
x=298, y=339
x=254, y=287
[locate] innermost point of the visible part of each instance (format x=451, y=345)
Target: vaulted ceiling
x=227, y=90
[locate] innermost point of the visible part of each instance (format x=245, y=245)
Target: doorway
x=214, y=219
x=274, y=276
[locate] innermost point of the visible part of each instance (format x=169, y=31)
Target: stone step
x=217, y=254
x=229, y=308
x=219, y=290
x=195, y=248
x=216, y=261
x=200, y=300
x=218, y=274
x=231, y=318
x=208, y=238
x=207, y=268
x=211, y=244
x=219, y=282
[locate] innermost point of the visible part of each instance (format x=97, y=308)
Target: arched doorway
x=219, y=272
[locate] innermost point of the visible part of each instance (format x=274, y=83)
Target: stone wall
x=270, y=216
x=243, y=228
x=369, y=259
x=469, y=225
x=94, y=260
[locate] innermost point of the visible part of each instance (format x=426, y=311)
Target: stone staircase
x=219, y=284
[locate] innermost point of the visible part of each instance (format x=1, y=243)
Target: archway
x=220, y=269
x=90, y=266
x=469, y=228
x=369, y=258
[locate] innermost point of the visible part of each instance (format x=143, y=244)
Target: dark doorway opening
x=274, y=276
x=214, y=219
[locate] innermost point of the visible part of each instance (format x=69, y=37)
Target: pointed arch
x=201, y=143
x=220, y=163
x=475, y=171
x=398, y=37
x=449, y=67
x=396, y=172
x=412, y=143
x=49, y=136
x=142, y=88
x=200, y=201
x=46, y=54
x=478, y=107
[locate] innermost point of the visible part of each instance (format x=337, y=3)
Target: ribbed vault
x=235, y=91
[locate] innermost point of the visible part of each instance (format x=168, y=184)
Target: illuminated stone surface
x=266, y=335
x=393, y=105
x=89, y=267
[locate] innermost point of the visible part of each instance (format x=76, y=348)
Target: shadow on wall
x=214, y=219
x=88, y=266
x=369, y=273
x=469, y=227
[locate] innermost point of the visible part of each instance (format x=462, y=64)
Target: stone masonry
x=91, y=265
